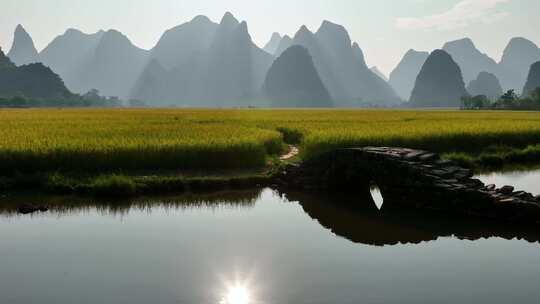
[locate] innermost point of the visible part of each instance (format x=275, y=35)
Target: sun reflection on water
x=237, y=295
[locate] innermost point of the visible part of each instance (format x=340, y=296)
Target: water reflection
x=526, y=180
x=359, y=220
x=377, y=197
x=238, y=294
x=70, y=205
x=258, y=247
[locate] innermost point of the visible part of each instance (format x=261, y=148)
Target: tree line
x=508, y=101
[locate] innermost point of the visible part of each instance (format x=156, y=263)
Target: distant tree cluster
x=90, y=99
x=508, y=101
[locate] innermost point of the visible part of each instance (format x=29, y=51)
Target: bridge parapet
x=412, y=178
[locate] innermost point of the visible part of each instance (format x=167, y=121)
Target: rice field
x=155, y=139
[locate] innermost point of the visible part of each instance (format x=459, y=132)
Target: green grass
x=496, y=157
x=123, y=185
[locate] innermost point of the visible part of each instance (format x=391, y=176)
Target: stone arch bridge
x=413, y=179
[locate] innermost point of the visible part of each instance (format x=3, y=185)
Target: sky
x=385, y=29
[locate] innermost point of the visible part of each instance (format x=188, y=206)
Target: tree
x=475, y=103
x=93, y=94
x=508, y=99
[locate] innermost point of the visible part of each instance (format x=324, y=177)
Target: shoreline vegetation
x=125, y=152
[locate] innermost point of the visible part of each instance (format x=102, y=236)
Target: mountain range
x=201, y=63
x=342, y=67
x=208, y=64
x=511, y=71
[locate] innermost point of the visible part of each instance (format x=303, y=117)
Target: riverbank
x=497, y=158
x=132, y=184
x=128, y=185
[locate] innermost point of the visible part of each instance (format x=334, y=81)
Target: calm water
x=523, y=180
x=262, y=247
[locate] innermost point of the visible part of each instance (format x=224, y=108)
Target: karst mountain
x=23, y=50
x=486, y=84
x=403, y=77
x=533, y=79
x=202, y=63
x=439, y=83
x=293, y=81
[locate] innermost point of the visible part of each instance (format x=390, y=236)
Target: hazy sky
x=385, y=29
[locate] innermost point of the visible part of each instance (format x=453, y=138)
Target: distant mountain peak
x=273, y=44
x=72, y=31
x=413, y=52
x=285, y=42
x=328, y=25
x=113, y=32
x=23, y=50
x=21, y=34
x=518, y=44
x=403, y=77
x=521, y=40
x=303, y=32
x=470, y=59
x=518, y=56
x=115, y=37
x=464, y=42
x=243, y=26
x=359, y=54
x=229, y=20
x=303, y=29
x=201, y=19
x=335, y=32
x=276, y=35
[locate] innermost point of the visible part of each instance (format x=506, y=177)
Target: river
x=261, y=246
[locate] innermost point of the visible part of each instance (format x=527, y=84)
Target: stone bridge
x=411, y=178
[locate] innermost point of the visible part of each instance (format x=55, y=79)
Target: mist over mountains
x=202, y=63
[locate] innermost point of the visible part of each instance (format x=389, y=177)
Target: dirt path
x=293, y=151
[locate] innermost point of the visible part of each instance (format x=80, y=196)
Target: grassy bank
x=124, y=185
x=95, y=141
x=497, y=157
